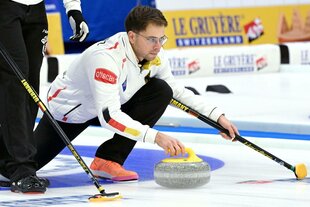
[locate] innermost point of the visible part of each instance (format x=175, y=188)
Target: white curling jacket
x=107, y=75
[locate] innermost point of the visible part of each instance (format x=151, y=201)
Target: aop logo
x=105, y=76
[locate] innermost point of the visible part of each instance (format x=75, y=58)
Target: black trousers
x=146, y=106
x=23, y=31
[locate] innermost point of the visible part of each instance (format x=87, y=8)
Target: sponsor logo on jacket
x=104, y=75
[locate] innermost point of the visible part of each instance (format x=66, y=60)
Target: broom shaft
x=244, y=141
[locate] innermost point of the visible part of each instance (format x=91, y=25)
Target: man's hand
x=171, y=145
x=229, y=126
x=78, y=25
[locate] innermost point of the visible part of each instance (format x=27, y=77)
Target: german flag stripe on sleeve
x=115, y=124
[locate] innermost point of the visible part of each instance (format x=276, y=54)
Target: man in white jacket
x=123, y=83
x=23, y=32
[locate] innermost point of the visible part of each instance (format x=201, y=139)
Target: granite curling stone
x=183, y=172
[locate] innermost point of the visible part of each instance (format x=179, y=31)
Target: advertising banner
x=200, y=62
x=299, y=53
x=238, y=26
x=55, y=39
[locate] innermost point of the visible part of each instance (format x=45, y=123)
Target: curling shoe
x=102, y=168
x=31, y=185
x=44, y=181
x=7, y=183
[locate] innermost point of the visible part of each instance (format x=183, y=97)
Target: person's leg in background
x=35, y=38
x=146, y=106
x=17, y=161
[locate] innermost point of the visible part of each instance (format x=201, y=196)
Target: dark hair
x=141, y=16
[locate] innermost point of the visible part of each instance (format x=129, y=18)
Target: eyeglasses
x=154, y=40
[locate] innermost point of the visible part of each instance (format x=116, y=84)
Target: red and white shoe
x=102, y=168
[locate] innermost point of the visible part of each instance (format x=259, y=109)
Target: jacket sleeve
x=72, y=5
x=197, y=102
x=103, y=78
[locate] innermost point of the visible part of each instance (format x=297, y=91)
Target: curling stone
x=182, y=172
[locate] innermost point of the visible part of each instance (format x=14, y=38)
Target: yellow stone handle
x=192, y=157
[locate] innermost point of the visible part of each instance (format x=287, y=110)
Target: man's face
x=147, y=44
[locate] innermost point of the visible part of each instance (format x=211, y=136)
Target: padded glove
x=78, y=25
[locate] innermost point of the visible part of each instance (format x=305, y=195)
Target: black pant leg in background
x=22, y=30
x=35, y=37
x=146, y=106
